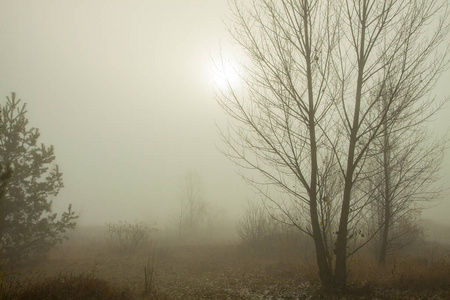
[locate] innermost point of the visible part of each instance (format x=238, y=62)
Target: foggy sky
x=123, y=90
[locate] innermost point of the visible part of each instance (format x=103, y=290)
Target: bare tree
x=306, y=115
x=192, y=209
x=407, y=164
x=386, y=39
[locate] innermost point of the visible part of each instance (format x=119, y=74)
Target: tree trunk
x=340, y=275
x=387, y=192
x=4, y=177
x=340, y=271
x=325, y=272
x=383, y=246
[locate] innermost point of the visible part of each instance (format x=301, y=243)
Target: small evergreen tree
x=28, y=181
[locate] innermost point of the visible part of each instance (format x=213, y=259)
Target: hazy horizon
x=123, y=90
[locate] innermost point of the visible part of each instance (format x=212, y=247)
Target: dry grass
x=219, y=271
x=404, y=277
x=68, y=287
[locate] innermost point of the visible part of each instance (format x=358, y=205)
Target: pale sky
x=123, y=90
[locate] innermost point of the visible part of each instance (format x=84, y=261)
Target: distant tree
x=405, y=166
x=196, y=217
x=192, y=209
x=28, y=182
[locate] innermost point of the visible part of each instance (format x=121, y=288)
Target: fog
x=123, y=90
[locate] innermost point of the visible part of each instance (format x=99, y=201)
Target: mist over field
x=161, y=142
x=124, y=93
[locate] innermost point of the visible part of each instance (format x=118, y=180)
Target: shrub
x=263, y=235
x=126, y=237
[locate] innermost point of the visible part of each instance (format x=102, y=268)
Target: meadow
x=87, y=267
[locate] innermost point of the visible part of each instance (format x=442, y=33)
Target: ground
x=228, y=271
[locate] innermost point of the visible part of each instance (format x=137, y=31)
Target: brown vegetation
x=85, y=268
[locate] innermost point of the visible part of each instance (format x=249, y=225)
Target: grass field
x=84, y=267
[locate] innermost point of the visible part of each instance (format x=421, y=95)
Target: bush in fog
x=262, y=234
x=28, y=180
x=256, y=224
x=126, y=237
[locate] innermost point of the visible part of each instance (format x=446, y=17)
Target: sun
x=225, y=73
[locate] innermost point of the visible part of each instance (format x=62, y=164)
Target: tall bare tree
x=408, y=164
x=306, y=112
x=392, y=52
